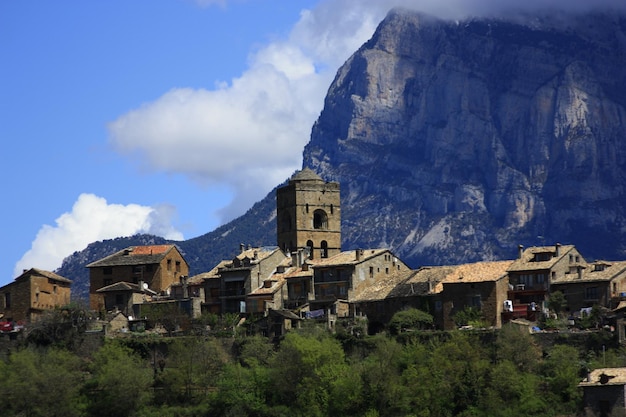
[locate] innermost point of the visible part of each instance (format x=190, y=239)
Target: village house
x=599, y=283
x=157, y=266
x=481, y=285
x=339, y=280
x=246, y=273
x=441, y=291
x=32, y=293
x=532, y=272
x=604, y=392
x=308, y=276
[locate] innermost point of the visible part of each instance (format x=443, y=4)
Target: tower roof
x=307, y=174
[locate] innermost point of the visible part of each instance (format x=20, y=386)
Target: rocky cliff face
x=457, y=141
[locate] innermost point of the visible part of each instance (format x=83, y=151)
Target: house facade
x=247, y=272
x=32, y=293
x=604, y=392
x=531, y=274
x=599, y=283
x=158, y=266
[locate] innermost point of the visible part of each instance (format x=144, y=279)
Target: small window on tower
x=320, y=219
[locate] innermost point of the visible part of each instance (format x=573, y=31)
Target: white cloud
x=249, y=133
x=92, y=219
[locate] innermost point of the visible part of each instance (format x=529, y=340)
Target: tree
x=45, y=383
x=410, y=319
x=515, y=344
x=60, y=327
x=469, y=316
x=303, y=371
x=194, y=365
x=561, y=371
x=557, y=302
x=120, y=382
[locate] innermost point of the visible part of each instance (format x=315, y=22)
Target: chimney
x=358, y=254
x=580, y=272
x=557, y=250
x=242, y=247
x=520, y=251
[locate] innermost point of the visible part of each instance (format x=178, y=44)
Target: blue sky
x=162, y=116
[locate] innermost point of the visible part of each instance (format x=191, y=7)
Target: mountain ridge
x=456, y=141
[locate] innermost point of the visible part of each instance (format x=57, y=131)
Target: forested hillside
x=310, y=372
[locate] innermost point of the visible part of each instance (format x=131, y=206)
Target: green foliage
x=460, y=373
x=410, y=319
x=557, y=302
x=167, y=315
x=562, y=370
x=45, y=383
x=61, y=327
x=469, y=316
x=516, y=345
x=120, y=382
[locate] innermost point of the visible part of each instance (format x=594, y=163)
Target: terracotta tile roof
x=430, y=280
x=605, y=376
x=47, y=274
x=527, y=263
x=277, y=283
x=590, y=274
x=212, y=274
x=475, y=272
x=348, y=258
x=384, y=288
x=150, y=249
x=120, y=286
x=135, y=255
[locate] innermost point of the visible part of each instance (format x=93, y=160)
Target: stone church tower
x=308, y=215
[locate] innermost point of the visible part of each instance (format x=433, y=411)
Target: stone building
x=532, y=272
x=308, y=215
x=338, y=280
x=604, y=392
x=33, y=292
x=247, y=272
x=599, y=283
x=158, y=266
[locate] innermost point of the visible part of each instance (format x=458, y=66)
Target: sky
x=168, y=117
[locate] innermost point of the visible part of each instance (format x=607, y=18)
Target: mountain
x=457, y=141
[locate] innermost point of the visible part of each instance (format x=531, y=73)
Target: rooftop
x=135, y=255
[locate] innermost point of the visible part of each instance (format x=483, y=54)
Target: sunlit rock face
x=457, y=141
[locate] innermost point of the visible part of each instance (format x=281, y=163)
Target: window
x=371, y=272
x=474, y=301
x=177, y=266
x=320, y=219
x=169, y=264
x=7, y=300
x=324, y=251
x=591, y=293
x=309, y=245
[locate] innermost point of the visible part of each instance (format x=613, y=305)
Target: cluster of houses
x=308, y=275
